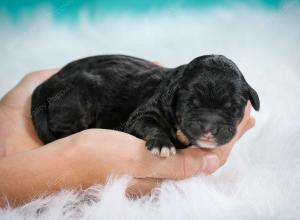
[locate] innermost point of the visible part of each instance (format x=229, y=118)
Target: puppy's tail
x=39, y=114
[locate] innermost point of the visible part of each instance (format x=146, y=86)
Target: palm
x=16, y=128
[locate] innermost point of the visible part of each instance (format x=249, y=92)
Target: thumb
x=186, y=163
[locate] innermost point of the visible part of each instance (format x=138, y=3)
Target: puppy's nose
x=210, y=132
x=208, y=135
x=213, y=131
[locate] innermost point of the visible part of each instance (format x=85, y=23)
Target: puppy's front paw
x=161, y=147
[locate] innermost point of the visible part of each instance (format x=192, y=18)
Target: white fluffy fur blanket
x=261, y=179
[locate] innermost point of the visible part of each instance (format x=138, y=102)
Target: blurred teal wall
x=71, y=8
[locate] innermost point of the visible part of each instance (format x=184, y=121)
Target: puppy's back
x=98, y=80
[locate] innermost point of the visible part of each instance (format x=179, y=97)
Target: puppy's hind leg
x=70, y=114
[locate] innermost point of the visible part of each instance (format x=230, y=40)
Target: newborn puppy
x=199, y=103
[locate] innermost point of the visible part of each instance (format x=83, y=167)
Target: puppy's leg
x=160, y=145
x=157, y=139
x=70, y=114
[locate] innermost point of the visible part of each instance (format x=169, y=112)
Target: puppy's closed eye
x=228, y=105
x=196, y=102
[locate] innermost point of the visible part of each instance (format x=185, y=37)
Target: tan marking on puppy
x=182, y=138
x=209, y=145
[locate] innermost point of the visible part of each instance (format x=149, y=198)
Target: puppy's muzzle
x=206, y=140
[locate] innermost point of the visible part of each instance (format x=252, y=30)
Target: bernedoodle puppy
x=199, y=103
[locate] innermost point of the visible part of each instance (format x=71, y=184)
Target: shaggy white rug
x=261, y=179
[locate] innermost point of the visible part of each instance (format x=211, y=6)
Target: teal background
x=71, y=8
x=40, y=34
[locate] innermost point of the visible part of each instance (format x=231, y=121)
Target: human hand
x=16, y=129
x=105, y=152
x=95, y=154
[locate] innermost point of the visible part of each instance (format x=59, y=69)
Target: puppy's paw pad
x=165, y=152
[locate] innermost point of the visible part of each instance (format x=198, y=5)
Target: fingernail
x=210, y=164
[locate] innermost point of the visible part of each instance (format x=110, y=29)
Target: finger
x=246, y=115
x=157, y=63
x=247, y=122
x=32, y=80
x=142, y=186
x=26, y=86
x=223, y=152
x=184, y=164
x=250, y=124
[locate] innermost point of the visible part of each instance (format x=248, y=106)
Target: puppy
x=199, y=103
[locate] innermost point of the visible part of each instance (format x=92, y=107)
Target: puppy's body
x=138, y=97
x=94, y=92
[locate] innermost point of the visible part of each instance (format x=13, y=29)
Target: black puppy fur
x=207, y=95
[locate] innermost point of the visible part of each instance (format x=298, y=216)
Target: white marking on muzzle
x=205, y=144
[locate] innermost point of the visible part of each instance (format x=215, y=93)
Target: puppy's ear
x=170, y=93
x=170, y=90
x=253, y=97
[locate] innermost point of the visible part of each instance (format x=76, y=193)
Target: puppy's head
x=211, y=99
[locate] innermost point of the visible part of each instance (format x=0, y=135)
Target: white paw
x=155, y=151
x=165, y=152
x=173, y=151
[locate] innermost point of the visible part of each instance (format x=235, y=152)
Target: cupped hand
x=16, y=129
x=109, y=152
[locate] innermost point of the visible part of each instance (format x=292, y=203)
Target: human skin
x=28, y=170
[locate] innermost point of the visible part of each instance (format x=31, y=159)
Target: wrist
x=81, y=151
x=100, y=153
x=74, y=164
